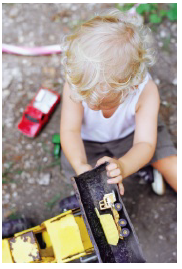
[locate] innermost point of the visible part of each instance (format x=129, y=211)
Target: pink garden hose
x=44, y=50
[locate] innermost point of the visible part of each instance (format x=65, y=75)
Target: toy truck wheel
x=122, y=222
x=118, y=206
x=125, y=232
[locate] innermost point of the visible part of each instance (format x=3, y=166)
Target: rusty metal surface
x=90, y=188
x=24, y=248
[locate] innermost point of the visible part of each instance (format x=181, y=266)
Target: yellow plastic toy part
x=62, y=232
x=84, y=234
x=109, y=228
x=6, y=257
x=46, y=239
x=65, y=236
x=24, y=248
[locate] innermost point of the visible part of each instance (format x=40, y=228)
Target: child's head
x=107, y=57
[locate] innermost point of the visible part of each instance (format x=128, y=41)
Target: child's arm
x=70, y=132
x=145, y=138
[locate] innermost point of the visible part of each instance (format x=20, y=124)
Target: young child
x=110, y=103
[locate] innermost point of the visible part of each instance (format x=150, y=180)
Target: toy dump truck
x=112, y=225
x=61, y=239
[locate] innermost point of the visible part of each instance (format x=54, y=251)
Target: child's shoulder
x=149, y=95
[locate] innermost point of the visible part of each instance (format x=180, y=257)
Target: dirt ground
x=33, y=182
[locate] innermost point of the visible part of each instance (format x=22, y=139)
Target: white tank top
x=95, y=127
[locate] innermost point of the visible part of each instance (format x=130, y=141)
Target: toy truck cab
x=108, y=200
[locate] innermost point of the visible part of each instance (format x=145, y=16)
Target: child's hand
x=83, y=168
x=114, y=171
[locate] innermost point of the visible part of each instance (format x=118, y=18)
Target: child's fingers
x=111, y=166
x=103, y=160
x=115, y=180
x=121, y=188
x=114, y=173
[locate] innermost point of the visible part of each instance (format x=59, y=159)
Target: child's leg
x=168, y=168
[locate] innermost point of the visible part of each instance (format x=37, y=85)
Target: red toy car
x=37, y=113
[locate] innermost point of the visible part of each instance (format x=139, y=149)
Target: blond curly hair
x=108, y=54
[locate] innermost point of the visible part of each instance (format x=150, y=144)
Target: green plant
x=172, y=12
x=124, y=7
x=154, y=13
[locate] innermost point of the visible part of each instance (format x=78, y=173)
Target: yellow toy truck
x=112, y=224
x=65, y=239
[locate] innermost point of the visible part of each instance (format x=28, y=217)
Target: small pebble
x=24, y=61
x=45, y=159
x=13, y=12
x=6, y=165
x=161, y=237
x=156, y=216
x=29, y=204
x=31, y=180
x=157, y=81
x=9, y=125
x=174, y=28
x=51, y=37
x=44, y=135
x=160, y=44
x=39, y=144
x=74, y=7
x=25, y=175
x=19, y=86
x=27, y=165
x=175, y=81
x=29, y=146
x=44, y=179
x=20, y=39
x=65, y=20
x=173, y=40
x=5, y=93
x=60, y=80
x=13, y=186
x=163, y=34
x=31, y=34
x=32, y=43
x=6, y=196
x=15, y=194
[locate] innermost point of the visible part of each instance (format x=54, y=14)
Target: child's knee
x=165, y=163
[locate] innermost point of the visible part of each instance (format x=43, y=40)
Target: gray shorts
x=117, y=148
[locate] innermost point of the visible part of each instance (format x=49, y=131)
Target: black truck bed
x=90, y=188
